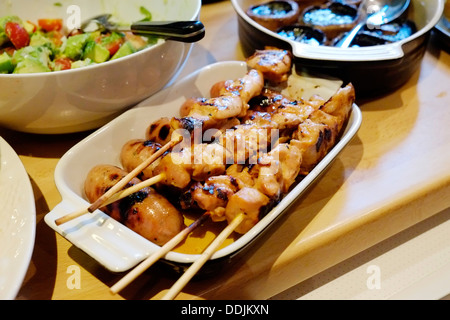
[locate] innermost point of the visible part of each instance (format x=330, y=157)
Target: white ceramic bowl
x=86, y=98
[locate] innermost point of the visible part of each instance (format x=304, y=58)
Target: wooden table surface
x=394, y=174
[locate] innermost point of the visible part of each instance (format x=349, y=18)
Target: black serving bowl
x=373, y=70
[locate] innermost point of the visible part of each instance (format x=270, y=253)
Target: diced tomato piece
x=50, y=24
x=111, y=42
x=113, y=47
x=17, y=34
x=63, y=64
x=55, y=37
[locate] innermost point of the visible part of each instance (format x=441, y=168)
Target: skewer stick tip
x=70, y=217
x=150, y=260
x=117, y=196
x=196, y=266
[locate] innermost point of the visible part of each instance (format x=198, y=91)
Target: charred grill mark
x=275, y=101
x=152, y=144
x=164, y=132
x=189, y=123
x=138, y=196
x=328, y=134
x=234, y=182
x=140, y=175
x=261, y=100
x=135, y=212
x=222, y=195
x=126, y=204
x=185, y=200
x=264, y=210
x=153, y=127
x=319, y=141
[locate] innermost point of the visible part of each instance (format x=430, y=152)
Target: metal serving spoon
x=184, y=31
x=375, y=13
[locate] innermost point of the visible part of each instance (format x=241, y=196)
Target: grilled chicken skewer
x=275, y=171
x=120, y=184
x=146, y=212
x=250, y=190
x=242, y=193
x=245, y=143
x=231, y=103
x=220, y=111
x=229, y=98
x=322, y=125
x=275, y=64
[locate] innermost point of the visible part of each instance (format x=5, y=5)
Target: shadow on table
x=39, y=281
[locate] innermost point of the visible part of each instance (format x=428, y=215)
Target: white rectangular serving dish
x=109, y=242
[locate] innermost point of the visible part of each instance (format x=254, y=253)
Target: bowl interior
x=126, y=11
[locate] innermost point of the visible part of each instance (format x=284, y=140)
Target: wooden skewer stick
x=119, y=185
x=149, y=261
x=123, y=182
x=193, y=269
x=120, y=195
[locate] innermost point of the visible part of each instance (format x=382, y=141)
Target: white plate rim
x=20, y=207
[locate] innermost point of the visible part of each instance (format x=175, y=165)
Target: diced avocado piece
x=38, y=39
x=125, y=50
x=96, y=52
x=41, y=54
x=31, y=65
x=6, y=63
x=94, y=35
x=3, y=38
x=29, y=27
x=75, y=46
x=81, y=63
x=6, y=19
